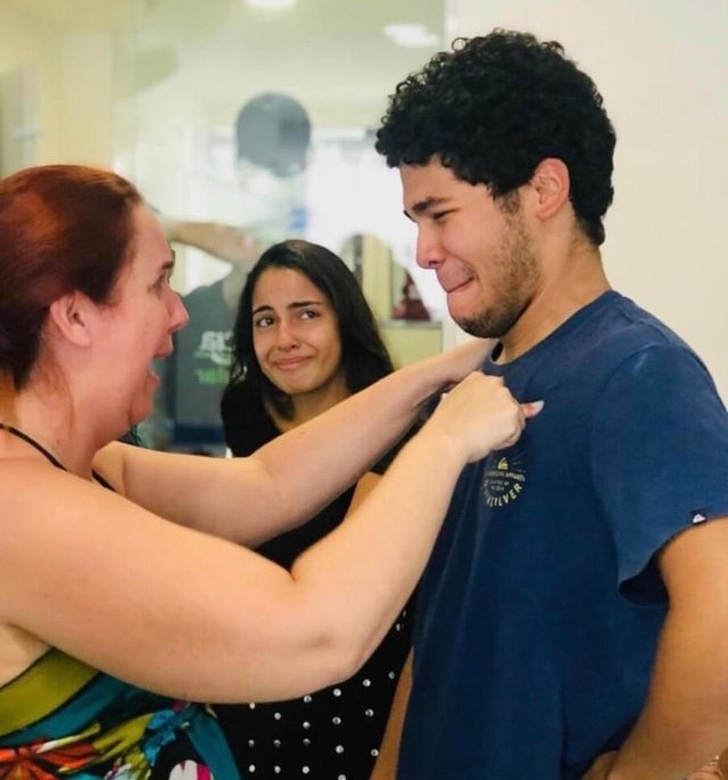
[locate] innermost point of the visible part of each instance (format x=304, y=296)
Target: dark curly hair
x=364, y=357
x=493, y=107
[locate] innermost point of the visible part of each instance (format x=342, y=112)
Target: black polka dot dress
x=335, y=733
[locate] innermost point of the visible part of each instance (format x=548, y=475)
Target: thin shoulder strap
x=33, y=443
x=43, y=451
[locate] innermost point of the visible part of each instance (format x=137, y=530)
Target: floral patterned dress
x=61, y=718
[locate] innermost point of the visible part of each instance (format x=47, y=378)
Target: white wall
x=662, y=68
x=67, y=84
x=86, y=77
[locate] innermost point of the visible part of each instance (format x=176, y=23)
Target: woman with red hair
x=122, y=598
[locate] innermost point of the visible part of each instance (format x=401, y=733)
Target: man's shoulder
x=632, y=318
x=616, y=328
x=586, y=350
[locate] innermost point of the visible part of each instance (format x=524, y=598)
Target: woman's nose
x=178, y=314
x=286, y=336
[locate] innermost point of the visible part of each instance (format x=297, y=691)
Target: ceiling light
x=411, y=35
x=271, y=5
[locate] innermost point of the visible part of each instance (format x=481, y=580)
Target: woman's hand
x=481, y=415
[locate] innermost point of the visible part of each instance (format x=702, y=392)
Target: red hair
x=63, y=228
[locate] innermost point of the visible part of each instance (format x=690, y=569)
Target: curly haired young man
x=572, y=620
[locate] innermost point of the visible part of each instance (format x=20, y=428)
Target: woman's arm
x=192, y=616
x=294, y=476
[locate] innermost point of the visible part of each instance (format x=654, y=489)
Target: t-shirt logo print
x=215, y=356
x=504, y=478
x=215, y=347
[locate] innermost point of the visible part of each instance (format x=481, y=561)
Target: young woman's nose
x=286, y=337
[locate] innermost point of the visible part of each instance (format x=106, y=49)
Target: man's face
x=478, y=247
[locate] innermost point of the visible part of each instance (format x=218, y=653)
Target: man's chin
x=490, y=324
x=476, y=327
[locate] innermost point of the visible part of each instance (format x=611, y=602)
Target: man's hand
x=601, y=767
x=717, y=769
x=714, y=769
x=236, y=245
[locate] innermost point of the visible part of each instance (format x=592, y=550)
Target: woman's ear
x=70, y=315
x=551, y=184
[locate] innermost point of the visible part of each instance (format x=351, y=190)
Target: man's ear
x=70, y=314
x=551, y=184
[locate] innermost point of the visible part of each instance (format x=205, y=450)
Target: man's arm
x=386, y=766
x=238, y=246
x=685, y=720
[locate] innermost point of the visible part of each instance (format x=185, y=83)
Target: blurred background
x=255, y=113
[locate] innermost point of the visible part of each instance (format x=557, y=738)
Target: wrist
x=450, y=447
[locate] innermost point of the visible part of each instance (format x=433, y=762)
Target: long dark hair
x=364, y=358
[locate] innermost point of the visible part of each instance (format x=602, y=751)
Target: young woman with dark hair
x=305, y=338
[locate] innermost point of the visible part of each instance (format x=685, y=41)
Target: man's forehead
x=420, y=182
x=430, y=185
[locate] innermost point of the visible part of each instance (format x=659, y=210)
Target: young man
x=573, y=616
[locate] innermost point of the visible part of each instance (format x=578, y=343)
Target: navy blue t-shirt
x=540, y=610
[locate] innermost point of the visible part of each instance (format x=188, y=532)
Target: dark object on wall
x=410, y=306
x=273, y=130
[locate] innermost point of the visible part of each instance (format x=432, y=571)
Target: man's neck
x=559, y=298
